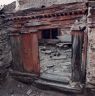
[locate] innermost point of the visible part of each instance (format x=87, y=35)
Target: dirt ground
x=13, y=87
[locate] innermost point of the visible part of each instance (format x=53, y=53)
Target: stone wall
x=5, y=50
x=91, y=44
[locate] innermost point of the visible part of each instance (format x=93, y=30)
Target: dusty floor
x=14, y=88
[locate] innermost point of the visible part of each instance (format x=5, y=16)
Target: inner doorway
x=55, y=56
x=50, y=33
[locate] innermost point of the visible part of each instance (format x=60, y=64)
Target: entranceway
x=55, y=58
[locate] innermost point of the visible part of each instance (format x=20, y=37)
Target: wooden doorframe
x=79, y=64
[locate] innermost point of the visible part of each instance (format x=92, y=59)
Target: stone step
x=60, y=86
x=57, y=69
x=55, y=78
x=62, y=74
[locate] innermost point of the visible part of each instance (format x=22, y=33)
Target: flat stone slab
x=58, y=57
x=60, y=86
x=54, y=77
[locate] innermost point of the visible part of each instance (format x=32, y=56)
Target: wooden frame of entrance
x=25, y=29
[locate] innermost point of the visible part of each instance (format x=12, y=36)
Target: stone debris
x=20, y=86
x=29, y=92
x=58, y=57
x=57, y=61
x=48, y=52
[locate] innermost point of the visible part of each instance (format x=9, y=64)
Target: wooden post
x=77, y=42
x=30, y=52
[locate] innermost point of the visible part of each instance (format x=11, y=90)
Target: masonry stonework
x=91, y=43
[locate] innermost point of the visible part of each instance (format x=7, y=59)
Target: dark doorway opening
x=50, y=33
x=46, y=34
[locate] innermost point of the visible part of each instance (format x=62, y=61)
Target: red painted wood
x=30, y=53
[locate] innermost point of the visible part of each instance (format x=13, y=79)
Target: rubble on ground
x=55, y=60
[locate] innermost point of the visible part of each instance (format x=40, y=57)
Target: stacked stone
x=91, y=43
x=5, y=52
